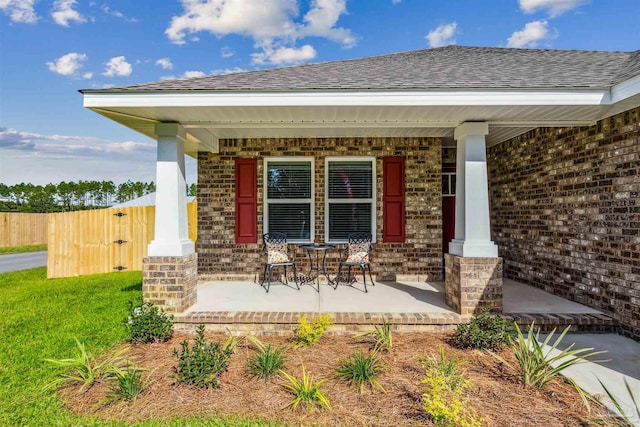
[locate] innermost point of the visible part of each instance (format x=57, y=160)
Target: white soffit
x=210, y=116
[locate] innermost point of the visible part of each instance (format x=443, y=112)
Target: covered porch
x=562, y=144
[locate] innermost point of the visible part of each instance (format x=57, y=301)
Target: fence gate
x=103, y=240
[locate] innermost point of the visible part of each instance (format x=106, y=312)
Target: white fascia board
x=352, y=98
x=624, y=90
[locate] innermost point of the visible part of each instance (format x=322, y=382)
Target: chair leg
x=295, y=276
x=349, y=277
x=372, y=282
x=269, y=282
x=339, y=275
x=264, y=275
x=364, y=278
x=286, y=281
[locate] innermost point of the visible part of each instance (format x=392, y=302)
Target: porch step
x=591, y=323
x=283, y=323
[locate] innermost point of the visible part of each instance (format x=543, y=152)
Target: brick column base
x=472, y=284
x=170, y=282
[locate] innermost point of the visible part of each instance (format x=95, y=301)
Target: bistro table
x=318, y=265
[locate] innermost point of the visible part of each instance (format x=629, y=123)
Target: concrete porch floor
x=385, y=297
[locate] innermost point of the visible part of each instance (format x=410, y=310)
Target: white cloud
x=19, y=10
x=444, y=35
x=106, y=9
x=69, y=64
x=77, y=146
x=63, y=13
x=53, y=158
x=227, y=71
x=192, y=74
x=274, y=28
x=553, y=7
x=165, y=63
x=284, y=55
x=530, y=35
x=227, y=52
x=117, y=66
x=322, y=18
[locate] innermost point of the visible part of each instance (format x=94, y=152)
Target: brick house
x=539, y=147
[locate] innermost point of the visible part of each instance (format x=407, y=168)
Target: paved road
x=15, y=262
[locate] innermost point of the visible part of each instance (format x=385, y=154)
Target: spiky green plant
x=361, y=369
x=448, y=368
x=128, y=384
x=305, y=391
x=85, y=369
x=628, y=418
x=383, y=335
x=538, y=366
x=267, y=360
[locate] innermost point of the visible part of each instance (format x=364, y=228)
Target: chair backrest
x=359, y=247
x=275, y=247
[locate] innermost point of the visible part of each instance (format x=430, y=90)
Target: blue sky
x=51, y=49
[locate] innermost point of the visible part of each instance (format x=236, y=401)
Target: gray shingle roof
x=451, y=67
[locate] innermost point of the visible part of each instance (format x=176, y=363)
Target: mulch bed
x=497, y=394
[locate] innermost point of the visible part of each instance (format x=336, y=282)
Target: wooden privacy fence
x=103, y=240
x=20, y=229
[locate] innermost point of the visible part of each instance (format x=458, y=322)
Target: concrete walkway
x=25, y=261
x=623, y=355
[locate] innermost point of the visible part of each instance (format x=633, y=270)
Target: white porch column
x=171, y=228
x=473, y=231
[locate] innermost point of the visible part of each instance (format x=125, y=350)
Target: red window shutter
x=246, y=201
x=393, y=212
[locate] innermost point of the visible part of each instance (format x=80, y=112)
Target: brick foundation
x=170, y=282
x=473, y=284
x=565, y=213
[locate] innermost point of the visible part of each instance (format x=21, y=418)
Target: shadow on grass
x=136, y=287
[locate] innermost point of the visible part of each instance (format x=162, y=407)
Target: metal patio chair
x=358, y=255
x=275, y=248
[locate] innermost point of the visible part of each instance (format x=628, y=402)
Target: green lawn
x=40, y=319
x=22, y=249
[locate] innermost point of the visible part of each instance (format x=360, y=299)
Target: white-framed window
x=448, y=184
x=350, y=197
x=289, y=197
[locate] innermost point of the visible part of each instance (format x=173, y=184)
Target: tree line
x=69, y=196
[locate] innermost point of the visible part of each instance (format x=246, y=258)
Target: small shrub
x=200, y=364
x=267, y=360
x=307, y=334
x=305, y=391
x=383, y=335
x=447, y=368
x=360, y=370
x=147, y=324
x=484, y=331
x=445, y=397
x=85, y=369
x=127, y=385
x=535, y=365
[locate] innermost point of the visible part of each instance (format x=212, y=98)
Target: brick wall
x=420, y=257
x=565, y=212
